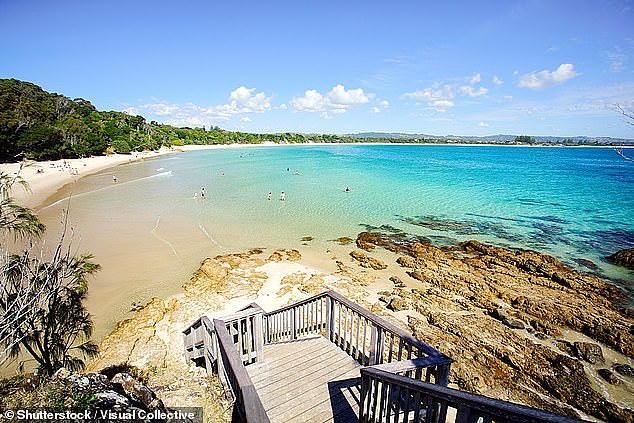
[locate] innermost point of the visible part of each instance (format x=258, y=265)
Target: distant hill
x=495, y=139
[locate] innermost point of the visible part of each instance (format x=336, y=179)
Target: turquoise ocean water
x=574, y=203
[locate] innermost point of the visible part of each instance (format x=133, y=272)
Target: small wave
x=160, y=168
x=112, y=186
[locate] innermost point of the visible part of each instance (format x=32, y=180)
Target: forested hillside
x=38, y=125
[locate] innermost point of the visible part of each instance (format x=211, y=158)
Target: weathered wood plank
x=344, y=406
x=277, y=360
x=301, y=402
x=301, y=381
x=323, y=364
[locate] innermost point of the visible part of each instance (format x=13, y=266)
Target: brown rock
x=137, y=391
x=623, y=258
x=624, y=369
x=293, y=255
x=609, y=376
x=367, y=261
x=398, y=304
x=566, y=347
x=344, y=240
x=398, y=283
x=589, y=352
x=276, y=256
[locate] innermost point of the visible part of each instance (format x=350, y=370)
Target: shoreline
x=59, y=173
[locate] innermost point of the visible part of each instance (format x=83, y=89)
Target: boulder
x=624, y=370
x=344, y=240
x=623, y=258
x=398, y=283
x=367, y=261
x=398, y=304
x=566, y=347
x=589, y=352
x=137, y=391
x=609, y=376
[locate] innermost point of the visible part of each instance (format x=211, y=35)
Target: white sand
x=56, y=174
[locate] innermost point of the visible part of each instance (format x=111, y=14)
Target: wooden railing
x=390, y=397
x=364, y=336
x=231, y=372
x=405, y=382
x=224, y=347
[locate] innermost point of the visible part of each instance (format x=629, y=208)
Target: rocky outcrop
x=99, y=395
x=503, y=316
x=623, y=258
x=366, y=261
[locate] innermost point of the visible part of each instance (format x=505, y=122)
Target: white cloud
x=445, y=92
x=245, y=119
x=508, y=97
x=497, y=80
x=483, y=125
x=442, y=105
x=440, y=97
x=242, y=100
x=337, y=101
x=472, y=92
x=545, y=79
x=380, y=105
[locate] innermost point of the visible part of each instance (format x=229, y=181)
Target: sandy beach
x=47, y=177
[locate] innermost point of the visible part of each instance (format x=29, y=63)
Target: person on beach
x=283, y=196
x=114, y=178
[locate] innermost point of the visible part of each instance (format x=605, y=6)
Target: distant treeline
x=38, y=125
x=35, y=124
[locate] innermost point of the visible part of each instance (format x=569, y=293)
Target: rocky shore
x=520, y=325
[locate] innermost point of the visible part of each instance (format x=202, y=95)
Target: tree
x=51, y=322
x=41, y=300
x=15, y=219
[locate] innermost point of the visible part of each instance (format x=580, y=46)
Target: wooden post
x=259, y=337
x=293, y=323
x=330, y=317
x=442, y=377
x=373, y=345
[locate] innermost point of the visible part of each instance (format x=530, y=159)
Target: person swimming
x=348, y=189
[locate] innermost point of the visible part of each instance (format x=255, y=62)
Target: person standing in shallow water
x=202, y=192
x=283, y=196
x=269, y=196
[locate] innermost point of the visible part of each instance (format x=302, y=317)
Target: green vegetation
x=38, y=125
x=35, y=391
x=15, y=219
x=35, y=124
x=524, y=139
x=41, y=295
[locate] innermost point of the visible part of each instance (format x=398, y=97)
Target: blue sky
x=454, y=67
